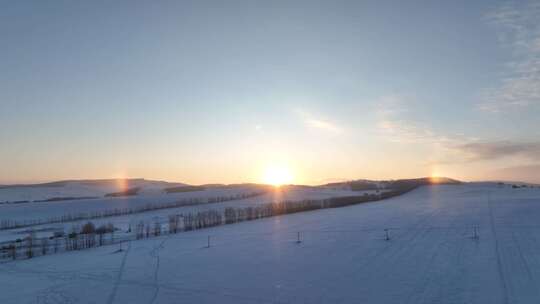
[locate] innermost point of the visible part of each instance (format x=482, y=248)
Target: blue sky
x=217, y=91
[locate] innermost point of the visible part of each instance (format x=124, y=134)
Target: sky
x=224, y=91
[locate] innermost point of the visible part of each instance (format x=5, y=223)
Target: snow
x=81, y=188
x=45, y=210
x=431, y=257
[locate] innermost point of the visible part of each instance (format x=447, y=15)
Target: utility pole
x=475, y=232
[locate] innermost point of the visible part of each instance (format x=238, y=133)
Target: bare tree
x=44, y=245
x=56, y=244
x=88, y=228
x=102, y=230
x=139, y=230
x=30, y=244
x=12, y=251
x=157, y=228
x=173, y=223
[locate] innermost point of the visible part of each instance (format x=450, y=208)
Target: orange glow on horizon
x=277, y=175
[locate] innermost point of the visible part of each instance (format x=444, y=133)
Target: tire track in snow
x=54, y=295
x=155, y=253
x=522, y=257
x=504, y=286
x=110, y=300
x=403, y=241
x=431, y=274
x=223, y=292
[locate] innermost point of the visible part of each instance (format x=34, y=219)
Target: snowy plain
x=343, y=257
x=45, y=210
x=80, y=188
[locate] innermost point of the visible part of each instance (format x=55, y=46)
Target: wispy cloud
x=525, y=172
x=393, y=124
x=518, y=28
x=448, y=148
x=477, y=151
x=319, y=123
x=323, y=124
x=405, y=131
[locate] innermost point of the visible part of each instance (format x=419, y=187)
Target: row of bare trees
x=89, y=236
x=78, y=238
x=12, y=224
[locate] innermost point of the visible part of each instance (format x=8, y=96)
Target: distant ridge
x=91, y=182
x=507, y=182
x=83, y=189
x=358, y=184
x=364, y=184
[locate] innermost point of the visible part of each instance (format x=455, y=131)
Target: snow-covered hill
x=343, y=257
x=78, y=189
x=43, y=211
x=71, y=190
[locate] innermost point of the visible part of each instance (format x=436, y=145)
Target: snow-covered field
x=431, y=257
x=45, y=210
x=80, y=188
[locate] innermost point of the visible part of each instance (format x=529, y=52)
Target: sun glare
x=277, y=176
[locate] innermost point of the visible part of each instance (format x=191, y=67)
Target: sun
x=277, y=175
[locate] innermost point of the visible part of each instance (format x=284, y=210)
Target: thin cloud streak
x=518, y=28
x=528, y=172
x=318, y=123
x=481, y=151
x=323, y=124
x=451, y=148
x=395, y=128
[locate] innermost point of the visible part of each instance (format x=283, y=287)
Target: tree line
x=6, y=224
x=89, y=236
